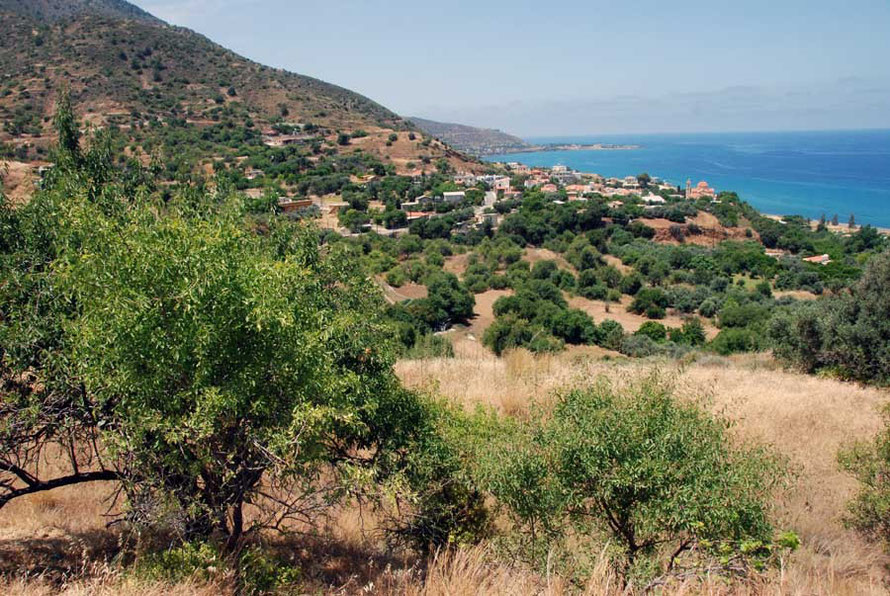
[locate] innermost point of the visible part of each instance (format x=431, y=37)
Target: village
x=482, y=193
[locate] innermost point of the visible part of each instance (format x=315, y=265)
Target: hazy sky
x=574, y=66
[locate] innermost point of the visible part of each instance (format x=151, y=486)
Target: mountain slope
x=475, y=141
x=53, y=10
x=118, y=66
x=170, y=89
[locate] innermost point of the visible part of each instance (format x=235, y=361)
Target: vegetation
x=231, y=373
x=847, y=334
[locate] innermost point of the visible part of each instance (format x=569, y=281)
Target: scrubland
x=57, y=542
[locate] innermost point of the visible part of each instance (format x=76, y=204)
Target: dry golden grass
x=805, y=418
x=57, y=543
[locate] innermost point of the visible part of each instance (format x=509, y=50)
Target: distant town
x=488, y=196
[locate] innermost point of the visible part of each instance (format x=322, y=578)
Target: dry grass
x=57, y=543
x=805, y=418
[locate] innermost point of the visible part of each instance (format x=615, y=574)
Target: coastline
x=839, y=228
x=569, y=147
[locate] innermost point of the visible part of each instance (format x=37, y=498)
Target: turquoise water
x=803, y=173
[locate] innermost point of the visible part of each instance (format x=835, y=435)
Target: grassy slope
x=805, y=418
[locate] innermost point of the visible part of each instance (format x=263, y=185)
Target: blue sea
x=782, y=173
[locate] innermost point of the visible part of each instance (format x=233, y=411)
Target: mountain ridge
x=471, y=139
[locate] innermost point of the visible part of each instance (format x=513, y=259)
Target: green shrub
x=848, y=334
x=646, y=299
x=610, y=334
x=692, y=333
x=655, y=475
x=654, y=331
x=869, y=463
x=734, y=340
x=639, y=346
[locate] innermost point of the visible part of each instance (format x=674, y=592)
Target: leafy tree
x=167, y=347
x=692, y=333
x=609, y=334
x=651, y=302
x=658, y=476
x=848, y=333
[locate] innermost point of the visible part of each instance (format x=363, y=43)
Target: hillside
x=54, y=10
x=127, y=69
x=475, y=141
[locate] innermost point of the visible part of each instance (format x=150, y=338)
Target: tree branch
x=37, y=486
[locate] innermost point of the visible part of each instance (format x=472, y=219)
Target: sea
x=812, y=174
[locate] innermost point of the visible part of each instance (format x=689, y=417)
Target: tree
x=343, y=139
x=167, y=347
x=852, y=222
x=654, y=331
x=657, y=475
x=448, y=301
x=848, y=334
x=644, y=179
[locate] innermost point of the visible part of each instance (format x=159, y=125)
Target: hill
x=475, y=141
x=129, y=70
x=54, y=10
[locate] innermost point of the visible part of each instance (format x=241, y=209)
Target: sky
x=576, y=67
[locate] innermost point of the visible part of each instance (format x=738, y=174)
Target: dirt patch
x=709, y=231
x=533, y=255
x=796, y=294
x=457, y=264
x=617, y=264
x=630, y=321
x=484, y=311
x=408, y=291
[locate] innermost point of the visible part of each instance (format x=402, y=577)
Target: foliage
x=847, y=333
x=869, y=463
x=655, y=475
x=168, y=347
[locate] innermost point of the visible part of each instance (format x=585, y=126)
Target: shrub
x=869, y=463
x=511, y=331
x=654, y=311
x=709, y=308
x=656, y=475
x=631, y=284
x=654, y=331
x=649, y=298
x=692, y=333
x=575, y=327
x=639, y=346
x=610, y=334
x=849, y=333
x=733, y=340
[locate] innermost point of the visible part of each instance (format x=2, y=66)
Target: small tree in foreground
x=203, y=367
x=637, y=467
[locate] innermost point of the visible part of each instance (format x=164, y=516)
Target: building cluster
x=575, y=186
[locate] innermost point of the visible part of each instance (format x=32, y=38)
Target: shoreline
x=569, y=147
x=841, y=228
